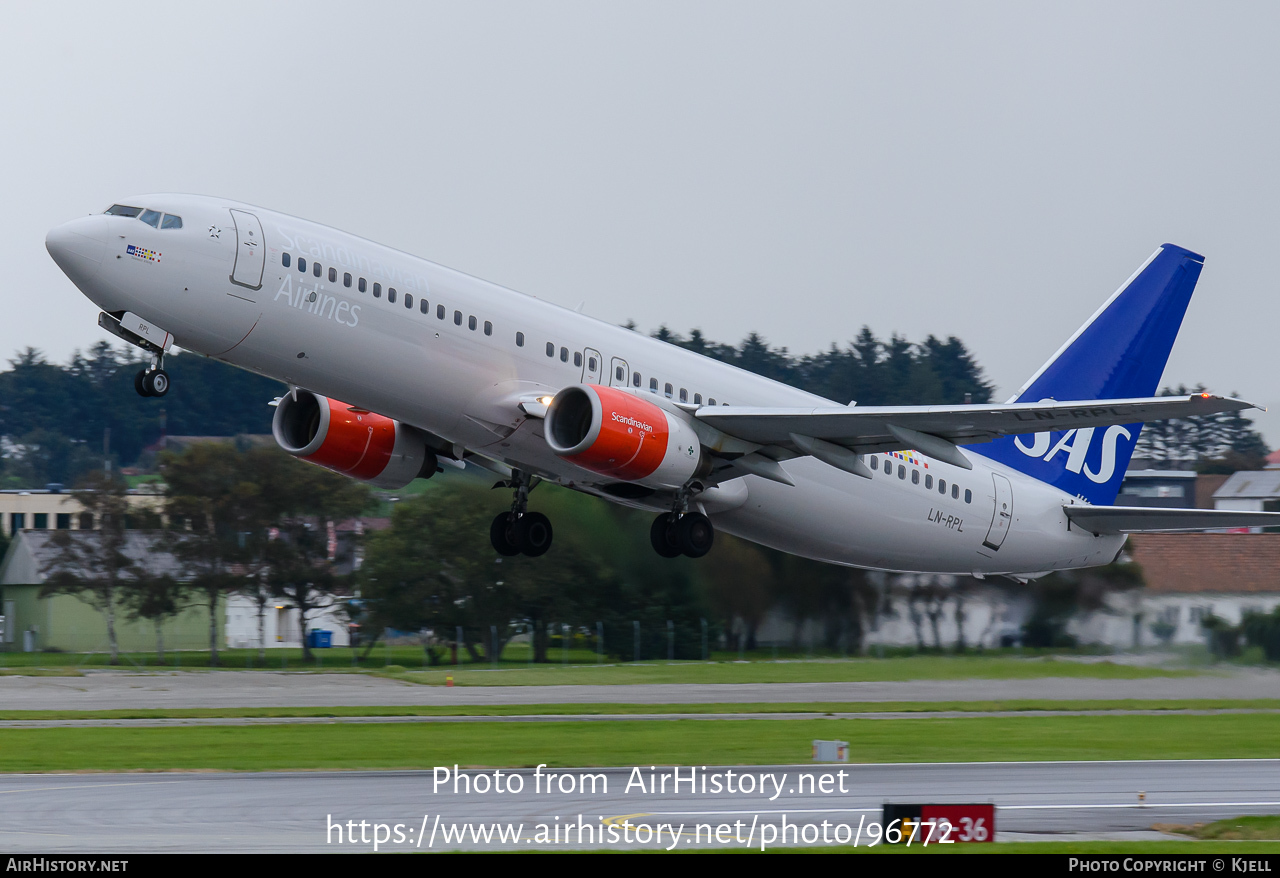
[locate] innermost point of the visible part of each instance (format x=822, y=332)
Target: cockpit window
x=171, y=222
x=151, y=218
x=123, y=210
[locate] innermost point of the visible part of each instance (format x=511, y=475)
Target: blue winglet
x=1119, y=353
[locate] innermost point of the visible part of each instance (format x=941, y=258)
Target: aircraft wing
x=868, y=429
x=1141, y=519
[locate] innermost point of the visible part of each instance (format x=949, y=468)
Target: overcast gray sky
x=987, y=170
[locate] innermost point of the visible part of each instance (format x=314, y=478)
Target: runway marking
x=89, y=786
x=1142, y=806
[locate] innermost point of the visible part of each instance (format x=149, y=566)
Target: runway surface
x=115, y=690
x=280, y=812
x=170, y=722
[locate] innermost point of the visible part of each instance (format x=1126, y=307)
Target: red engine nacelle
x=623, y=436
x=351, y=441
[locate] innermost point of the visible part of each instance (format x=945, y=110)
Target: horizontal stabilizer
x=1142, y=519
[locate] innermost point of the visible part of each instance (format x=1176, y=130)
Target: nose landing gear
x=521, y=532
x=153, y=381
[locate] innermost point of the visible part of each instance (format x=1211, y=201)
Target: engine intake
x=351, y=441
x=620, y=435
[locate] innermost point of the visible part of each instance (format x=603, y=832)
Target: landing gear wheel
x=662, y=535
x=532, y=532
x=159, y=382
x=694, y=534
x=500, y=534
x=151, y=382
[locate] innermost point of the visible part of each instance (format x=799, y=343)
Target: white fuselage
x=457, y=371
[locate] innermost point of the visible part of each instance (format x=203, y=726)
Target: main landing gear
x=520, y=532
x=674, y=534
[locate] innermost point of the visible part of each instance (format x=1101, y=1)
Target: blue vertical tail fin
x=1119, y=353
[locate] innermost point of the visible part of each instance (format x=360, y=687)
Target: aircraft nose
x=78, y=247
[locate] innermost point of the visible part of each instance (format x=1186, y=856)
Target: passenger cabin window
x=915, y=477
x=697, y=399
x=471, y=323
x=457, y=318
x=653, y=385
x=591, y=363
x=171, y=222
x=684, y=395
x=346, y=279
x=488, y=328
x=391, y=294
x=968, y=496
x=122, y=210
x=942, y=486
x=577, y=358
x=284, y=259
x=333, y=275
x=955, y=492
x=377, y=291
x=302, y=265
x=519, y=339
x=635, y=379
x=928, y=482
x=439, y=312
x=424, y=306
x=564, y=355
x=151, y=218
x=668, y=391
x=902, y=472
x=875, y=461
x=620, y=374
x=551, y=349
x=408, y=300
x=315, y=268
x=711, y=401
x=363, y=285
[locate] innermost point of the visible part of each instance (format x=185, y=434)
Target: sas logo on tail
x=1075, y=445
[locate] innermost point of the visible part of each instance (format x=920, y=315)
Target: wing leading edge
x=870, y=429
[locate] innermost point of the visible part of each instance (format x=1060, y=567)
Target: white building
x=279, y=623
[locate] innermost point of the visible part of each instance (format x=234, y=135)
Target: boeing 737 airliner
x=434, y=367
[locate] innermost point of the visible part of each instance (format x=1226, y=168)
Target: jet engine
x=623, y=436
x=351, y=441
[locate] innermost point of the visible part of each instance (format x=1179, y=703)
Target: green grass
x=406, y=663
x=595, y=709
x=406, y=746
x=1249, y=828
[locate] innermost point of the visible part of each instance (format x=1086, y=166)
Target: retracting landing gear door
x=250, y=251
x=1003, y=513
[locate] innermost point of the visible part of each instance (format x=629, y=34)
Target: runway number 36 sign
x=939, y=824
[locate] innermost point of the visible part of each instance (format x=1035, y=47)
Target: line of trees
x=1220, y=443
x=53, y=417
x=236, y=520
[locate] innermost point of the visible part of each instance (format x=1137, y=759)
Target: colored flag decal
x=143, y=253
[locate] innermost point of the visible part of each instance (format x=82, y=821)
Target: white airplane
x=436, y=367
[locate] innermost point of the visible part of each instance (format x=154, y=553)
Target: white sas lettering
x=1109, y=440
x=1077, y=450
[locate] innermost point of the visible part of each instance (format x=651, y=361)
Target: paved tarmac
x=116, y=690
x=164, y=722
x=285, y=812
